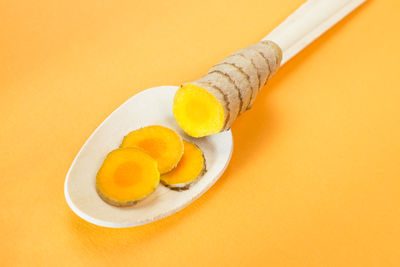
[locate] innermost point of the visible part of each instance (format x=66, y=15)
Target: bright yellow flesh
x=189, y=168
x=162, y=143
x=127, y=175
x=197, y=111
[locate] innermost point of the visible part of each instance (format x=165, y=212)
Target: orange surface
x=315, y=175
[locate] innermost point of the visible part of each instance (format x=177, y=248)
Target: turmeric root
x=127, y=176
x=212, y=103
x=189, y=169
x=162, y=143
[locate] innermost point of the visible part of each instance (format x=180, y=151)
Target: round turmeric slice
x=191, y=167
x=127, y=176
x=162, y=143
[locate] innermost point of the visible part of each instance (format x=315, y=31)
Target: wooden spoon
x=154, y=106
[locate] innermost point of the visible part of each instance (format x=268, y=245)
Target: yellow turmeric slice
x=162, y=143
x=191, y=167
x=127, y=176
x=212, y=103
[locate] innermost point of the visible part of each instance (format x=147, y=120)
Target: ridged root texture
x=127, y=176
x=212, y=103
x=162, y=143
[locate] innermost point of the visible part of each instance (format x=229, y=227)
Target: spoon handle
x=308, y=22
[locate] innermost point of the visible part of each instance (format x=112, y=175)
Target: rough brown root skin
x=177, y=188
x=234, y=82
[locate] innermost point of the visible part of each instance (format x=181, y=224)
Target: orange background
x=315, y=175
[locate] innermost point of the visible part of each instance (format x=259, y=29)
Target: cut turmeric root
x=162, y=143
x=197, y=111
x=191, y=167
x=127, y=176
x=212, y=103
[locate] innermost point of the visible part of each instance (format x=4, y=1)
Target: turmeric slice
x=212, y=103
x=189, y=169
x=162, y=143
x=127, y=176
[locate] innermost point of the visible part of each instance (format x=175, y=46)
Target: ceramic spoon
x=154, y=106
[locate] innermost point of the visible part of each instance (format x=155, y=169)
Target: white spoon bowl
x=150, y=107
